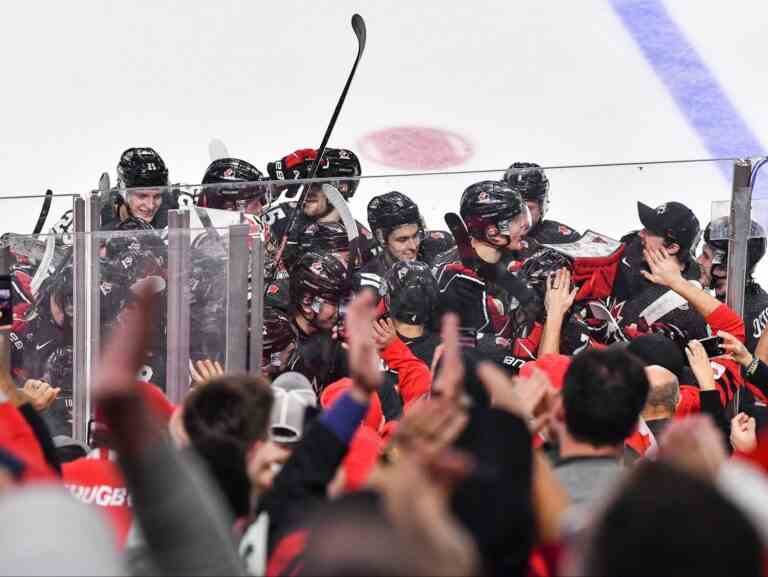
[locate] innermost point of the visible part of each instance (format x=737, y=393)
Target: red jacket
x=414, y=377
x=17, y=438
x=727, y=371
x=96, y=480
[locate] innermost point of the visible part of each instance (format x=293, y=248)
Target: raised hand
x=450, y=380
x=363, y=356
x=125, y=352
x=735, y=349
x=384, y=333
x=529, y=399
x=39, y=394
x=559, y=297
x=700, y=365
x=204, y=371
x=664, y=268
x=743, y=433
x=429, y=427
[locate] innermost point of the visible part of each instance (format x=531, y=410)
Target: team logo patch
x=515, y=266
x=273, y=289
x=482, y=197
x=661, y=209
x=316, y=267
x=564, y=229
x=229, y=173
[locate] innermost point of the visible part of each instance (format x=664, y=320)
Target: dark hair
x=667, y=522
x=603, y=394
x=223, y=419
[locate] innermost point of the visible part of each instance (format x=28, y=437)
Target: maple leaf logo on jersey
x=515, y=266
x=316, y=267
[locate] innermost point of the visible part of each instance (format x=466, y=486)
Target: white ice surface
x=541, y=80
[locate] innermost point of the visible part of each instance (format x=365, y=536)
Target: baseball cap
x=293, y=381
x=672, y=220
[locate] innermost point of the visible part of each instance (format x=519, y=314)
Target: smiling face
x=316, y=204
x=403, y=243
x=144, y=203
x=712, y=275
x=509, y=234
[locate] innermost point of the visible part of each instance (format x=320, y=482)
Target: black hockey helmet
x=756, y=245
x=530, y=181
x=340, y=162
x=230, y=173
x=540, y=265
x=410, y=292
x=320, y=275
x=324, y=237
x=388, y=211
x=141, y=167
x=490, y=203
x=278, y=334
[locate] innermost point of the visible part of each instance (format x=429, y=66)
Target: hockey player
x=319, y=286
x=336, y=164
x=489, y=300
x=279, y=342
x=320, y=237
x=231, y=194
x=141, y=201
x=38, y=350
x=713, y=261
x=674, y=227
x=410, y=297
x=399, y=230
x=533, y=185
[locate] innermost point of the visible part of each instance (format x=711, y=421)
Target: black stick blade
x=358, y=25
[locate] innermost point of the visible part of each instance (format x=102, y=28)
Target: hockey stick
x=353, y=234
x=44, y=212
x=358, y=26
x=467, y=254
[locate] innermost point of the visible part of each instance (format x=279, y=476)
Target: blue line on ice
x=690, y=82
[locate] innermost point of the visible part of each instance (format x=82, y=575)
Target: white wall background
x=542, y=80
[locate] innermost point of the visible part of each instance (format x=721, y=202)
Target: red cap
x=554, y=366
x=373, y=418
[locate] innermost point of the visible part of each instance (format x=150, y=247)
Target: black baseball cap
x=656, y=349
x=673, y=221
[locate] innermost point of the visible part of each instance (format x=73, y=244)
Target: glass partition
x=199, y=266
